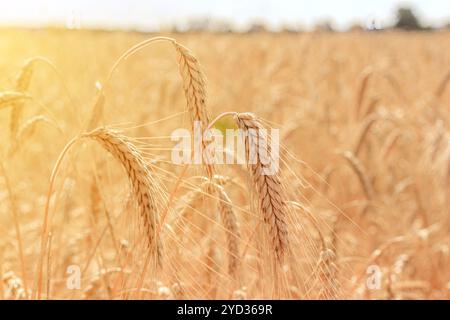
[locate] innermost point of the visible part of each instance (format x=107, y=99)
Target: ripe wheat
x=271, y=200
x=142, y=181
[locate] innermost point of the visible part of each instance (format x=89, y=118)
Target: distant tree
x=407, y=19
x=220, y=26
x=198, y=24
x=291, y=28
x=257, y=26
x=356, y=27
x=324, y=26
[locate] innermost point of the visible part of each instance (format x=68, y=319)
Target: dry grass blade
x=271, y=199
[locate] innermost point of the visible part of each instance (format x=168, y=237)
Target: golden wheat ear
x=22, y=83
x=143, y=184
x=229, y=221
x=194, y=85
x=268, y=188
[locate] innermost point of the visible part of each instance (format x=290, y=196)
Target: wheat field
x=92, y=207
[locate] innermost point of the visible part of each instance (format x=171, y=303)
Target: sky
x=150, y=14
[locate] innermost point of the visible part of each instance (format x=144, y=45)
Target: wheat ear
x=27, y=129
x=366, y=75
x=22, y=83
x=327, y=274
x=271, y=199
x=229, y=221
x=95, y=201
x=442, y=86
x=98, y=108
x=359, y=169
x=142, y=181
x=194, y=85
x=365, y=128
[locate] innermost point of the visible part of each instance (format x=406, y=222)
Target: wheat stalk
x=142, y=181
x=98, y=108
x=271, y=199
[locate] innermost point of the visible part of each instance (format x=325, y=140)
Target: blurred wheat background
x=364, y=127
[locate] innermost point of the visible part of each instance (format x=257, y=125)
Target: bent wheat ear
x=143, y=184
x=358, y=168
x=229, y=221
x=365, y=78
x=365, y=128
x=22, y=83
x=327, y=274
x=27, y=129
x=271, y=199
x=194, y=86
